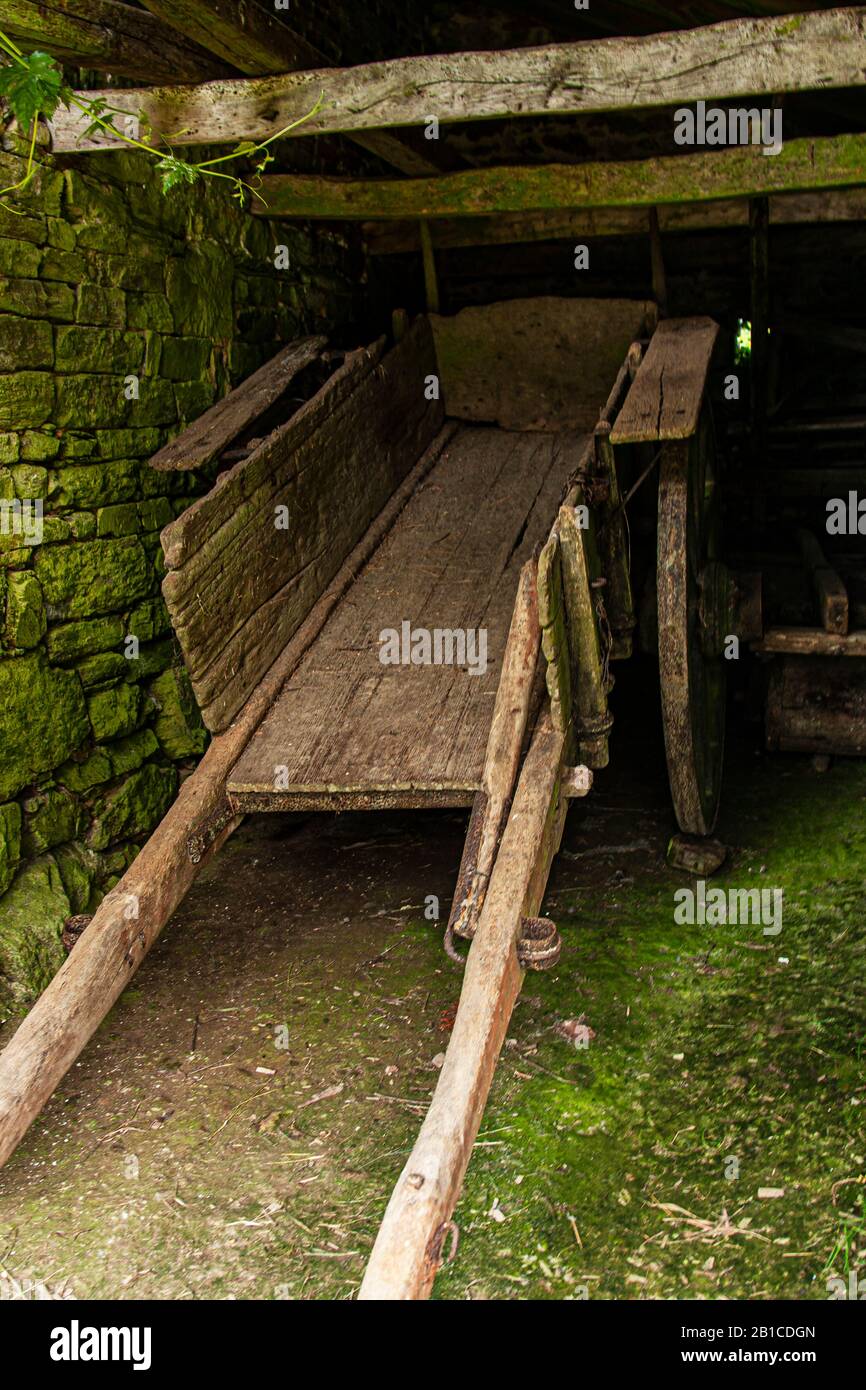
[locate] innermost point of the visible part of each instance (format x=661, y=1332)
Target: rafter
x=246, y=35
x=110, y=37
x=834, y=162
x=390, y=238
x=738, y=58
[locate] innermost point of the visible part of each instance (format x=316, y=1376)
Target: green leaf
x=175, y=172
x=103, y=116
x=32, y=88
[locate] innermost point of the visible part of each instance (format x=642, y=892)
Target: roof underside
x=526, y=91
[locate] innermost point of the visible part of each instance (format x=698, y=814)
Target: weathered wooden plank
x=255, y=41
x=665, y=397
x=409, y=1246
x=502, y=756
x=106, y=957
x=110, y=37
x=396, y=237
x=540, y=364
x=351, y=722
x=185, y=537
x=830, y=591
x=243, y=589
x=589, y=675
x=829, y=162
x=214, y=431
x=811, y=641
x=356, y=799
x=741, y=57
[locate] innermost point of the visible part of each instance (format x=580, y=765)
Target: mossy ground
x=167, y=1165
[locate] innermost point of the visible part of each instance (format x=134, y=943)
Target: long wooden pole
x=508, y=726
x=409, y=1246
x=103, y=961
x=740, y=57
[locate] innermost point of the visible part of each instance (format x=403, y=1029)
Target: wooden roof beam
x=254, y=41
x=110, y=37
x=395, y=238
x=742, y=172
x=737, y=58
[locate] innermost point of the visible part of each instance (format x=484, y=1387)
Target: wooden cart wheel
x=693, y=600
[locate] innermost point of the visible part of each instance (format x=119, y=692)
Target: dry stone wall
x=124, y=314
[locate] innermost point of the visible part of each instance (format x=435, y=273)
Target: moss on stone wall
x=123, y=315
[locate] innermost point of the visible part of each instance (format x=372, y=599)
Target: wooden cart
x=461, y=481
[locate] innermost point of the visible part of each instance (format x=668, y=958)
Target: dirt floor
x=234, y=1129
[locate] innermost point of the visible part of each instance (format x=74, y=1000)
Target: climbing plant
x=32, y=87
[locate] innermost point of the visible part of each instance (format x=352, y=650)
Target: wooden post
x=409, y=1247
x=431, y=285
x=830, y=591
x=660, y=287
x=759, y=221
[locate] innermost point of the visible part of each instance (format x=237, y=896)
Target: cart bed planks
x=352, y=726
